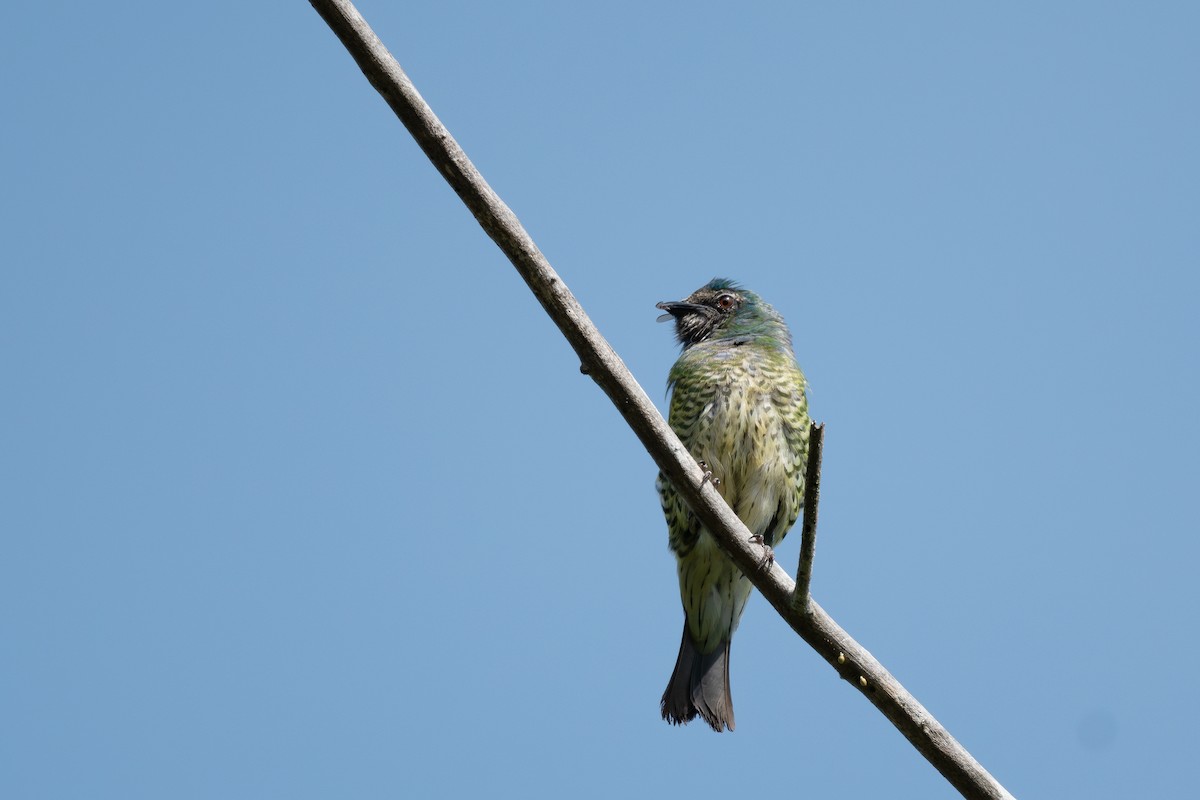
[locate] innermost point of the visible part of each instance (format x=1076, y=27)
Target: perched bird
x=738, y=403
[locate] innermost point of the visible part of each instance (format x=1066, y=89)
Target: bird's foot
x=768, y=557
x=708, y=475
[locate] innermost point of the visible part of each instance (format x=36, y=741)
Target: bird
x=739, y=403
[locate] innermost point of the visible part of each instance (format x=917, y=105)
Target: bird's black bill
x=677, y=309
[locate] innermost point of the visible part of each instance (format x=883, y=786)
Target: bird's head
x=720, y=309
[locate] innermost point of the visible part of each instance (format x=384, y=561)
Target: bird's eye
x=726, y=301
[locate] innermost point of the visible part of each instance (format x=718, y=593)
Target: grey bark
x=801, y=598
x=851, y=661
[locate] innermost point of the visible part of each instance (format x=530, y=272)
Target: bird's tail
x=699, y=686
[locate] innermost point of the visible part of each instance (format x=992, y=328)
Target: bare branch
x=801, y=598
x=602, y=364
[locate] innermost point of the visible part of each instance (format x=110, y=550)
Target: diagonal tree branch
x=601, y=362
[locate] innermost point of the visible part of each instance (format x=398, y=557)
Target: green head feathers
x=722, y=310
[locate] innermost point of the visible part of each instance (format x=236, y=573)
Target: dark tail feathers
x=699, y=687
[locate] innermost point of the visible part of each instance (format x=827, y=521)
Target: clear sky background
x=303, y=495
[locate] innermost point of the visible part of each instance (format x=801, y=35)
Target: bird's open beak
x=677, y=309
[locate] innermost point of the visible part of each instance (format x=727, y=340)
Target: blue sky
x=304, y=496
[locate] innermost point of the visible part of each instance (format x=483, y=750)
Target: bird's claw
x=708, y=475
x=768, y=557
